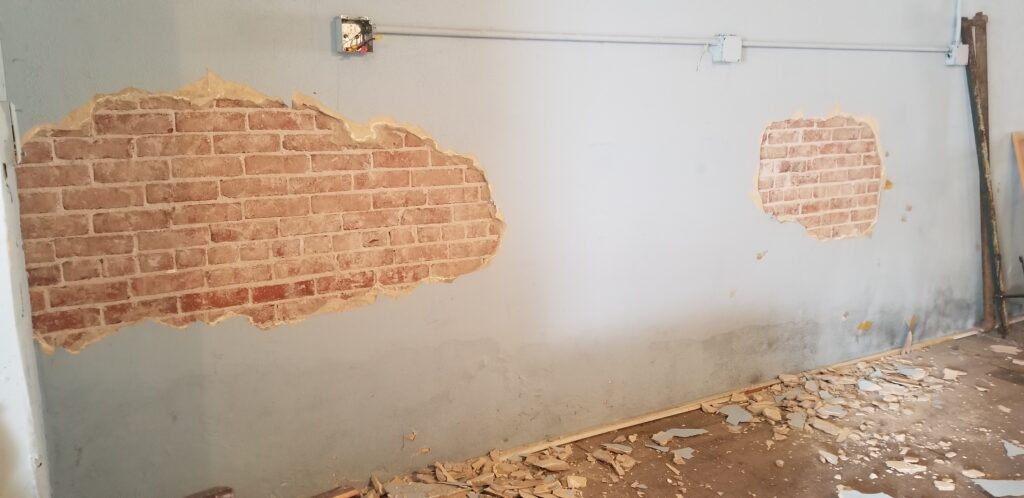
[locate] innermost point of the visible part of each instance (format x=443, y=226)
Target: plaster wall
x=636, y=271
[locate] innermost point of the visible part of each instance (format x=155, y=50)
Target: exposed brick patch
x=825, y=174
x=182, y=207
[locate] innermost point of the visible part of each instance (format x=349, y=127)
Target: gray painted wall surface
x=625, y=177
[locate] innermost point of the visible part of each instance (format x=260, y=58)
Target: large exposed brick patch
x=215, y=201
x=825, y=174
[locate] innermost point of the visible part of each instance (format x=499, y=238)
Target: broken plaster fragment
x=830, y=458
x=796, y=420
x=618, y=448
x=868, y=386
x=825, y=426
x=575, y=482
x=1001, y=488
x=735, y=414
x=944, y=485
x=1012, y=450
x=845, y=492
x=682, y=453
x=972, y=473
x=1004, y=349
x=952, y=374
x=664, y=437
x=905, y=467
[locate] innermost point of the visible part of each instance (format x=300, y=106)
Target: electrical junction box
x=353, y=35
x=727, y=48
x=957, y=55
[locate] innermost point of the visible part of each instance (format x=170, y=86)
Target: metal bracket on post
x=958, y=55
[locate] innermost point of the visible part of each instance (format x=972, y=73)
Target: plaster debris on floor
x=851, y=422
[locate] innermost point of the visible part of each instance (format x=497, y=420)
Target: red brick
x=275, y=208
x=44, y=275
x=118, y=266
x=130, y=221
x=88, y=294
x=463, y=212
x=401, y=159
x=401, y=236
x=82, y=269
x=311, y=224
x=172, y=239
x=197, y=167
x=247, y=230
x=189, y=258
x=246, y=143
x=864, y=215
x=335, y=203
x=280, y=120
x=276, y=164
x=103, y=197
x=475, y=175
x=380, y=179
x=300, y=308
x=318, y=142
x=427, y=216
x=471, y=249
x=137, y=310
x=338, y=162
x=402, y=198
x=452, y=269
x=181, y=192
x=93, y=148
x=254, y=251
x=137, y=170
x=45, y=227
x=209, y=121
x=206, y=213
x=219, y=255
x=316, y=244
x=319, y=184
x=253, y=187
x=53, y=176
x=404, y=274
x=303, y=266
x=65, y=320
x=38, y=251
x=234, y=276
x=267, y=103
x=173, y=145
x=164, y=102
x=371, y=219
x=376, y=238
x=38, y=202
x=441, y=159
x=36, y=151
x=116, y=104
x=280, y=292
x=456, y=195
x=214, y=299
x=344, y=283
x=167, y=282
x=429, y=233
x=417, y=254
x=286, y=248
x=156, y=261
x=37, y=300
x=366, y=259
x=347, y=241
x=133, y=124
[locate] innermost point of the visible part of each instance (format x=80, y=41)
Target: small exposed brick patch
x=183, y=208
x=825, y=174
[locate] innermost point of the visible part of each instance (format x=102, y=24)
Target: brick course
x=825, y=174
x=180, y=209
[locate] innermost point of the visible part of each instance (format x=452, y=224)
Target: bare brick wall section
x=176, y=209
x=824, y=174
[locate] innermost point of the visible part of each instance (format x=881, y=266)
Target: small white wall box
x=958, y=55
x=727, y=48
x=353, y=35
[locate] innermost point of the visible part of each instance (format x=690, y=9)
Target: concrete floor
x=963, y=414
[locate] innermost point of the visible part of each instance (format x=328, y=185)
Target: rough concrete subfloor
x=964, y=414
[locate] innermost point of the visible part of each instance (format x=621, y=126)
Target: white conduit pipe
x=642, y=40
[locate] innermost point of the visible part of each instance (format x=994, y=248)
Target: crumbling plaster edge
x=884, y=181
x=202, y=92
